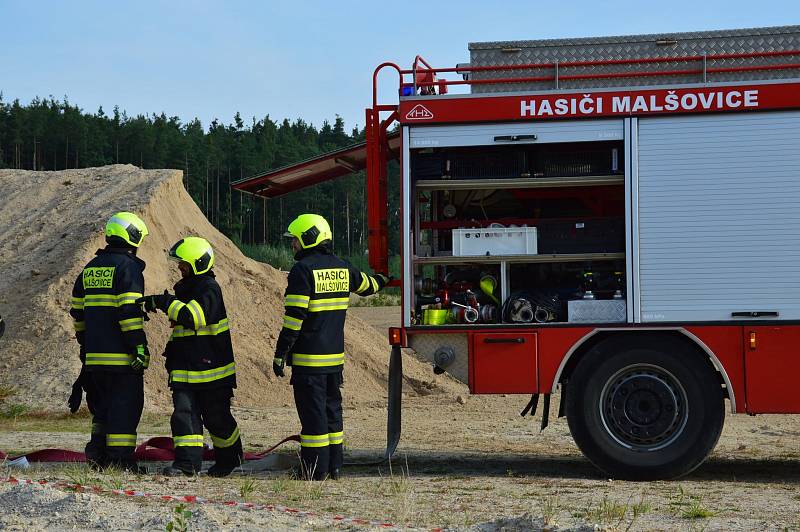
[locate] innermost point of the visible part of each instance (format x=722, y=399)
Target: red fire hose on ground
x=158, y=449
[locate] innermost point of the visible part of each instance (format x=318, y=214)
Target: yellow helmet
x=195, y=251
x=128, y=227
x=310, y=230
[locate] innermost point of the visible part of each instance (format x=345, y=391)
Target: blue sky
x=307, y=60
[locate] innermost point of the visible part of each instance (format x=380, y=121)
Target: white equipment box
x=494, y=241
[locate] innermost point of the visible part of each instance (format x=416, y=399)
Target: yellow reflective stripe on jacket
x=191, y=440
x=110, y=300
x=222, y=443
x=174, y=308
x=292, y=323
x=336, y=438
x=364, y=283
x=79, y=326
x=128, y=298
x=208, y=375
x=131, y=324
x=323, y=305
x=296, y=300
x=374, y=283
x=197, y=313
x=77, y=303
x=214, y=329
x=316, y=361
x=108, y=359
x=314, y=440
x=210, y=330
x=100, y=300
x=121, y=440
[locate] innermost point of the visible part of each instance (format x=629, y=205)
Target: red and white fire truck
x=617, y=219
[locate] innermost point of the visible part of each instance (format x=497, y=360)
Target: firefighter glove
x=277, y=366
x=155, y=302
x=383, y=279
x=76, y=396
x=142, y=358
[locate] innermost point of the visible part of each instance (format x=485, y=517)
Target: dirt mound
x=51, y=224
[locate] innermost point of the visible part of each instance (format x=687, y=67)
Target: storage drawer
x=503, y=363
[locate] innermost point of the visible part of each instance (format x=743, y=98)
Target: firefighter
x=202, y=372
x=312, y=341
x=109, y=329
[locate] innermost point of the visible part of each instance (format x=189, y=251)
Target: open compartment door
x=373, y=154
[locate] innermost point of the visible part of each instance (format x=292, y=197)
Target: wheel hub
x=644, y=407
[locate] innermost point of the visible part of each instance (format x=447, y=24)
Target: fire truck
x=614, y=219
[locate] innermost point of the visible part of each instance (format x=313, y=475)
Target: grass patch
x=696, y=510
x=247, y=488
x=399, y=492
x=112, y=479
x=689, y=506
x=380, y=299
x=280, y=485
x=551, y=507
x=6, y=392
x=79, y=474
x=277, y=256
x=606, y=512
x=14, y=411
x=48, y=421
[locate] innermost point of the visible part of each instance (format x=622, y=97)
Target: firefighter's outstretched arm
x=296, y=298
x=364, y=284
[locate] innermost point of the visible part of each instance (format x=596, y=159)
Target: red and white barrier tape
x=194, y=499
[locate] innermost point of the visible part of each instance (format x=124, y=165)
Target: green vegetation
x=696, y=510
x=180, y=519
x=689, y=506
x=247, y=487
x=49, y=134
x=6, y=392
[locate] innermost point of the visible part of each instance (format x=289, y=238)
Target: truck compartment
x=510, y=234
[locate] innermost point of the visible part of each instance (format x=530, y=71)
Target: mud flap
x=395, y=399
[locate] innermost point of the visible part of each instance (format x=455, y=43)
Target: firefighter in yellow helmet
x=202, y=372
x=113, y=345
x=312, y=340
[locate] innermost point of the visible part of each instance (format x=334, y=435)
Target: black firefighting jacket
x=199, y=352
x=316, y=300
x=108, y=322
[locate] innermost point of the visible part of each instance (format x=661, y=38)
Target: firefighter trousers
x=195, y=408
x=116, y=401
x=318, y=399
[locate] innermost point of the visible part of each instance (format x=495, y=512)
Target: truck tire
x=645, y=408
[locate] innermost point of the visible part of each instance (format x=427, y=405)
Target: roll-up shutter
x=719, y=216
x=525, y=132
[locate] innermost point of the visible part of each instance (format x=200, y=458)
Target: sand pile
x=51, y=224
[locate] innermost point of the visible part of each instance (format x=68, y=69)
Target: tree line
x=53, y=134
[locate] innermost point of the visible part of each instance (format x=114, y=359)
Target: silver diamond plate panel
x=425, y=345
x=783, y=38
x=597, y=311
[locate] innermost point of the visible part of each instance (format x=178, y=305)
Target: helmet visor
x=172, y=254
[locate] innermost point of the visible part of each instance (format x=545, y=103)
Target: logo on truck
x=419, y=112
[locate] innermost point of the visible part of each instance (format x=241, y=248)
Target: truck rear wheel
x=645, y=408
